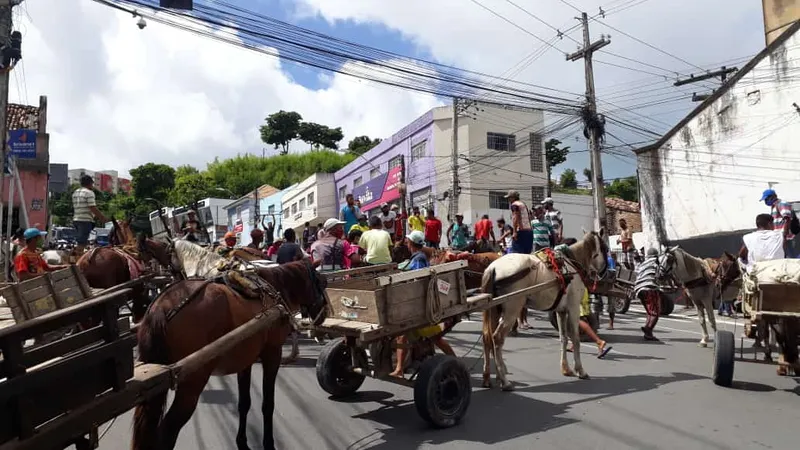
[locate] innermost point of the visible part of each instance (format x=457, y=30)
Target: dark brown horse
x=193, y=313
x=106, y=267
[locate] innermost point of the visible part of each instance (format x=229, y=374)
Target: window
x=302, y=205
x=271, y=209
x=423, y=200
x=501, y=142
x=342, y=192
x=310, y=199
x=374, y=173
x=286, y=213
x=357, y=182
x=418, y=151
x=537, y=153
x=294, y=208
x=498, y=200
x=395, y=162
x=537, y=195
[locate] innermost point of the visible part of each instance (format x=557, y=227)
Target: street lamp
x=227, y=191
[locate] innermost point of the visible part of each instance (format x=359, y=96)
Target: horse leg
x=561, y=318
x=708, y=305
x=295, y=349
x=491, y=317
x=701, y=317
x=270, y=363
x=181, y=410
x=573, y=317
x=510, y=315
x=243, y=379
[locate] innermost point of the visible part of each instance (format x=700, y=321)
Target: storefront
x=385, y=188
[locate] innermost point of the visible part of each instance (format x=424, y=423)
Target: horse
x=586, y=258
x=702, y=281
x=106, y=267
x=193, y=313
x=55, y=257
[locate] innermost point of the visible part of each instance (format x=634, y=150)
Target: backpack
x=794, y=225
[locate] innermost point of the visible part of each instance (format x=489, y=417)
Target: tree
x=569, y=179
x=152, y=181
x=587, y=172
x=320, y=136
x=191, y=188
x=362, y=144
x=624, y=188
x=554, y=155
x=280, y=129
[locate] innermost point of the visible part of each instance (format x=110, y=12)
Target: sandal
x=604, y=351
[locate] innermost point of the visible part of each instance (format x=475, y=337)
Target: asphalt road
x=641, y=396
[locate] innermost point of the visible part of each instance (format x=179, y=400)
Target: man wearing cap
x=415, y=241
x=521, y=234
x=29, y=263
x=553, y=217
x=388, y=217
x=230, y=244
x=646, y=290
x=332, y=249
x=191, y=227
x=85, y=210
x=457, y=235
x=782, y=215
x=349, y=213
x=362, y=225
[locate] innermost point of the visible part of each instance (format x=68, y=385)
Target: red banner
x=125, y=185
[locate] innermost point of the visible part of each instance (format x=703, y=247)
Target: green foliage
x=555, y=155
x=242, y=174
x=281, y=128
x=569, y=179
x=191, y=187
x=572, y=191
x=624, y=188
x=362, y=144
x=152, y=181
x=320, y=136
x=587, y=172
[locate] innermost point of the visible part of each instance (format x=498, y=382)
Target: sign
x=383, y=188
x=36, y=204
x=22, y=143
x=443, y=286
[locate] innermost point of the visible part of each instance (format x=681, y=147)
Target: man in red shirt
x=29, y=263
x=484, y=230
x=433, y=230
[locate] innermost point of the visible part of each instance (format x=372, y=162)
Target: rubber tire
x=621, y=306
x=330, y=374
x=425, y=389
x=667, y=305
x=724, y=354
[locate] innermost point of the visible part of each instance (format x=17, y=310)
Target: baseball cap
x=512, y=193
x=31, y=233
x=384, y=205
x=416, y=237
x=547, y=200
x=767, y=193
x=330, y=223
x=230, y=235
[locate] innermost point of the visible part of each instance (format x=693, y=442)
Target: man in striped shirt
x=543, y=233
x=782, y=215
x=646, y=290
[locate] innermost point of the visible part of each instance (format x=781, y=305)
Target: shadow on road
x=495, y=417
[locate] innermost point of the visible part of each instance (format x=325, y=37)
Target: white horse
x=698, y=279
x=584, y=260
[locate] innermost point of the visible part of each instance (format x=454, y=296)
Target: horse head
x=302, y=287
x=592, y=253
x=400, y=252
x=161, y=252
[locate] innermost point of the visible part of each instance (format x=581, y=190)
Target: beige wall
x=779, y=14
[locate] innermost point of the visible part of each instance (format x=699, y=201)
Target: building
x=313, y=200
x=501, y=149
x=778, y=16
x=242, y=218
x=210, y=212
x=578, y=214
x=700, y=183
x=104, y=180
x=59, y=178
x=32, y=167
x=272, y=209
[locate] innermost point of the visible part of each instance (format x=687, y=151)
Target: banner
x=22, y=143
x=383, y=188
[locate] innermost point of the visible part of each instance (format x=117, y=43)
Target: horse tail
x=153, y=349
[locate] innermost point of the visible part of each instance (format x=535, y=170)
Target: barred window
x=537, y=152
x=418, y=151
x=342, y=192
x=501, y=142
x=537, y=195
x=395, y=162
x=498, y=200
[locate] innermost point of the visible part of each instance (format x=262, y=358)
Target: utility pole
x=402, y=189
x=592, y=122
x=5, y=39
x=722, y=73
x=454, y=188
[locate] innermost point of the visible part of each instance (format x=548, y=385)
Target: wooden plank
x=33, y=283
x=421, y=273
x=71, y=296
x=359, y=271
x=61, y=274
x=43, y=306
x=17, y=300
x=65, y=283
x=82, y=283
x=355, y=304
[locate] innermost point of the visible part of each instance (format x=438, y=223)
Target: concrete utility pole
x=454, y=188
x=403, y=205
x=5, y=39
x=722, y=73
x=592, y=122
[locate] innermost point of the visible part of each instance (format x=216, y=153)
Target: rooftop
x=19, y=116
x=622, y=205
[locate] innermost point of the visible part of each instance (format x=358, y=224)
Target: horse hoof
x=487, y=383
x=508, y=387
x=583, y=376
x=567, y=373
x=289, y=360
x=702, y=344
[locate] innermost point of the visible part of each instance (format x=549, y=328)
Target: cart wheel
x=442, y=391
x=724, y=352
x=333, y=368
x=621, y=305
x=667, y=305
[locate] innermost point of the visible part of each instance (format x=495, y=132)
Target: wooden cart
x=368, y=314
x=769, y=303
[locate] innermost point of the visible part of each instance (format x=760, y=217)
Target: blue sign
x=22, y=143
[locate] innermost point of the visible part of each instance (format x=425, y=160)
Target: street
x=641, y=396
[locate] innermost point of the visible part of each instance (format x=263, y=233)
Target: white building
x=313, y=200
x=501, y=149
x=701, y=183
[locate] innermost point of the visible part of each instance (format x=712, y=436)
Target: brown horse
x=193, y=313
x=106, y=267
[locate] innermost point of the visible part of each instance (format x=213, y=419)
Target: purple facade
x=372, y=167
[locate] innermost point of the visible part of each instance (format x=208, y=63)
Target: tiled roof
x=18, y=116
x=622, y=205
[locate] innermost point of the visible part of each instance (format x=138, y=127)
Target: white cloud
x=119, y=96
